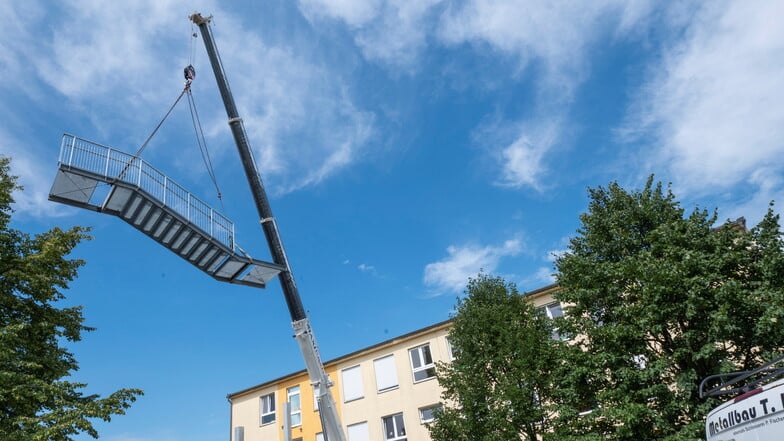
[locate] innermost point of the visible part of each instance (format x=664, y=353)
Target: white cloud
x=549, y=40
x=542, y=276
x=522, y=161
x=554, y=34
x=553, y=255
x=119, y=66
x=451, y=273
x=768, y=185
x=365, y=268
x=714, y=105
x=33, y=174
x=393, y=32
x=355, y=13
x=301, y=119
x=15, y=41
x=519, y=150
x=101, y=52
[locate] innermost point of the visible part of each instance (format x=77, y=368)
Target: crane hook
x=190, y=73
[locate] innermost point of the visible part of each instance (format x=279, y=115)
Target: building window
x=394, y=428
x=422, y=363
x=315, y=398
x=296, y=406
x=386, y=373
x=450, y=349
x=427, y=414
x=352, y=384
x=553, y=311
x=267, y=408
x=358, y=432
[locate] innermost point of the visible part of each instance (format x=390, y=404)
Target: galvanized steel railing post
x=108, y=158
x=73, y=147
x=165, y=182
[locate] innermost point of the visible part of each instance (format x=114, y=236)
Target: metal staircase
x=102, y=179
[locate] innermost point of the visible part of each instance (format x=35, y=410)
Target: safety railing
x=114, y=165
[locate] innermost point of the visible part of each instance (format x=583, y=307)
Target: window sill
x=389, y=389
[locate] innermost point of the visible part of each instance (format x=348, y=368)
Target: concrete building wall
x=407, y=397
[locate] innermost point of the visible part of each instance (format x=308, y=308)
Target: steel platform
x=106, y=180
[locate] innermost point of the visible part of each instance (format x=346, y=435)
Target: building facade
x=385, y=392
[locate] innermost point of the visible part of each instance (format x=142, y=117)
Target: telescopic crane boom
x=330, y=420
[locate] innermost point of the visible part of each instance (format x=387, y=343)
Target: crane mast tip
x=198, y=19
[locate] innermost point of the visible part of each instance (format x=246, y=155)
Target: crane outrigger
x=303, y=332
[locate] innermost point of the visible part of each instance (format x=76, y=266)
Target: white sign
x=759, y=417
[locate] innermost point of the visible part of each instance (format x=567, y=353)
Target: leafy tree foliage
x=504, y=360
x=37, y=402
x=658, y=301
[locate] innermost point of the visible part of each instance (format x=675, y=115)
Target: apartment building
x=385, y=392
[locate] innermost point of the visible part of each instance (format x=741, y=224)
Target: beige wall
x=246, y=412
x=407, y=398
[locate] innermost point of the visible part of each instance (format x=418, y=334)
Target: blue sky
x=405, y=145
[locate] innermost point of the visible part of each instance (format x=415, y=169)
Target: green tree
x=658, y=301
x=37, y=402
x=496, y=387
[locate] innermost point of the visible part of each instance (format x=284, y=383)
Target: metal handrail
x=742, y=381
x=114, y=165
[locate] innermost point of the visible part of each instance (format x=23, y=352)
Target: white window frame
x=296, y=414
x=550, y=307
x=395, y=428
x=422, y=411
x=270, y=412
x=425, y=367
x=548, y=310
x=315, y=398
x=450, y=349
x=354, y=391
x=381, y=367
x=320, y=436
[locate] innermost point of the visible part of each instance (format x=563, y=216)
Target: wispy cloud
x=392, y=32
x=713, y=106
x=451, y=273
x=27, y=166
x=369, y=269
x=548, y=42
x=302, y=118
x=554, y=35
x=356, y=13
x=542, y=276
x=519, y=150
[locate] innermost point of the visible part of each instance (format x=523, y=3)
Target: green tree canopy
x=658, y=300
x=504, y=358
x=37, y=402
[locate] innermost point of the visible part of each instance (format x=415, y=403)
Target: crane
x=330, y=421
